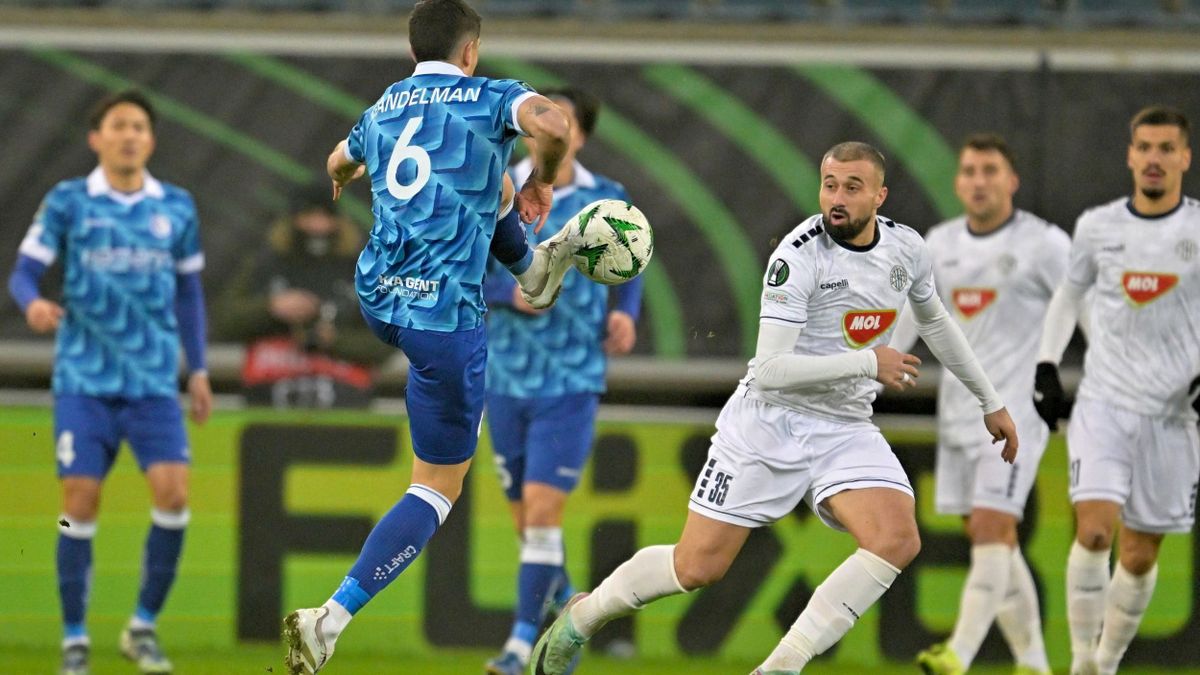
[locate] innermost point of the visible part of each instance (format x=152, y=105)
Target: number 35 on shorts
x=714, y=484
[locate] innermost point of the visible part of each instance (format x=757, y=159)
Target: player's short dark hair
x=101, y=108
x=437, y=27
x=1161, y=115
x=587, y=106
x=987, y=140
x=853, y=151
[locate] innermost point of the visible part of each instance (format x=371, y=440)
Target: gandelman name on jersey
x=842, y=298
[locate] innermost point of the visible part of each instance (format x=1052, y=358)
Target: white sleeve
x=950, y=346
x=776, y=367
x=904, y=335
x=1061, y=316
x=787, y=285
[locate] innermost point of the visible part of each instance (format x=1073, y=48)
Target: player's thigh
x=881, y=519
x=706, y=549
x=1166, y=477
x=155, y=431
x=87, y=436
x=849, y=457
x=1101, y=448
x=560, y=439
x=508, y=426
x=756, y=471
x=445, y=394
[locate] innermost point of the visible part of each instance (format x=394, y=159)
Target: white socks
x=644, y=578
x=1087, y=585
x=543, y=546
x=834, y=607
x=1128, y=596
x=984, y=592
x=1020, y=619
x=337, y=620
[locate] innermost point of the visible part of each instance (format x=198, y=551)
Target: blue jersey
x=120, y=253
x=558, y=352
x=435, y=146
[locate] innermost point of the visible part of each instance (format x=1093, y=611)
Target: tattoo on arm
x=540, y=109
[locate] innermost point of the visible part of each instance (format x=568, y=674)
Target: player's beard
x=1153, y=194
x=848, y=230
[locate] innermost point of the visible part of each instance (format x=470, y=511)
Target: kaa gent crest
x=777, y=275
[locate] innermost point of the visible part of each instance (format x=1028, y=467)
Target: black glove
x=1048, y=395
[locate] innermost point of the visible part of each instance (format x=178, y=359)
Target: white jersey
x=997, y=287
x=845, y=298
x=1144, y=344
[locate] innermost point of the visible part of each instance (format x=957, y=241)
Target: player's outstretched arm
x=950, y=346
x=550, y=130
x=342, y=170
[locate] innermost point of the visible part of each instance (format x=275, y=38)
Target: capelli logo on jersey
x=862, y=326
x=1145, y=287
x=971, y=301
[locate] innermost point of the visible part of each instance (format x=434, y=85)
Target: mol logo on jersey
x=862, y=326
x=971, y=301
x=1145, y=287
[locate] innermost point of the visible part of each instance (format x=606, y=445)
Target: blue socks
x=540, y=581
x=164, y=544
x=510, y=245
x=74, y=563
x=393, y=545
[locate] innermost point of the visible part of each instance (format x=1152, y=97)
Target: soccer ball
x=614, y=241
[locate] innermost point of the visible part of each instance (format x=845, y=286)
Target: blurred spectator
x=295, y=307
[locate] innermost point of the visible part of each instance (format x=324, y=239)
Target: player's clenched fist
x=896, y=369
x=43, y=315
x=1000, y=425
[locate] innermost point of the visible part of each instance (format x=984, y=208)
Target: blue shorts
x=88, y=431
x=545, y=439
x=445, y=388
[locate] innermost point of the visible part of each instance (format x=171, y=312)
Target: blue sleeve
x=44, y=240
x=498, y=285
x=189, y=259
x=356, y=148
x=193, y=323
x=628, y=297
x=23, y=284
x=513, y=94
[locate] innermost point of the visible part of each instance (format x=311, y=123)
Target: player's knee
x=1139, y=554
x=992, y=529
x=1094, y=537
x=82, y=502
x=171, y=498
x=899, y=546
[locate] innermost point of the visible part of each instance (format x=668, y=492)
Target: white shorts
x=765, y=458
x=1150, y=465
x=974, y=476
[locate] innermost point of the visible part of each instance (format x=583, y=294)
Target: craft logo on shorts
x=862, y=326
x=971, y=301
x=1145, y=287
x=778, y=274
x=899, y=278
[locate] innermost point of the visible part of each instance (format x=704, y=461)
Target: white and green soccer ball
x=614, y=241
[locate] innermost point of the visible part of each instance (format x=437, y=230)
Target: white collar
x=438, y=68
x=583, y=178
x=97, y=184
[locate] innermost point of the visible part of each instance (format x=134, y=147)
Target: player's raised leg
x=883, y=522
x=445, y=406
x=704, y=553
